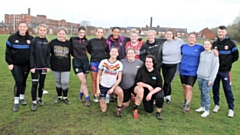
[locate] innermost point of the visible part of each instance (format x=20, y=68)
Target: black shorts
x=127, y=93
x=188, y=80
x=81, y=66
x=103, y=91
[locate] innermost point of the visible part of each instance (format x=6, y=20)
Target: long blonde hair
x=44, y=26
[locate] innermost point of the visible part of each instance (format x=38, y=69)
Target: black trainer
x=88, y=103
x=15, y=107
x=66, y=101
x=168, y=102
x=23, y=102
x=159, y=116
x=58, y=100
x=34, y=107
x=119, y=112
x=40, y=102
x=186, y=108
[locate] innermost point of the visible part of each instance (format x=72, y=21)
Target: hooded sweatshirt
x=17, y=49
x=39, y=53
x=228, y=53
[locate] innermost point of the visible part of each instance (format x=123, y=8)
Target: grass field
x=76, y=119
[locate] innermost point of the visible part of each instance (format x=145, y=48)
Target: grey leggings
x=61, y=79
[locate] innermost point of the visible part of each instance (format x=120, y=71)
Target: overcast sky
x=191, y=14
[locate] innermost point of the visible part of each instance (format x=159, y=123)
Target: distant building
x=12, y=20
x=206, y=34
x=161, y=31
x=3, y=28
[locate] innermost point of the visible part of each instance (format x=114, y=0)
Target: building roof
x=3, y=24
x=129, y=28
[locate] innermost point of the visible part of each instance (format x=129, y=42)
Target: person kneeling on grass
x=108, y=78
x=149, y=88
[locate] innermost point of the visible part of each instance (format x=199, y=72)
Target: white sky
x=191, y=14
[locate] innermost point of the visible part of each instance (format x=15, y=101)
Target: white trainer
x=95, y=99
x=201, y=109
x=230, y=113
x=205, y=114
x=216, y=108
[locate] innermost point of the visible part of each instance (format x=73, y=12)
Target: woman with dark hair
x=17, y=57
x=99, y=50
x=108, y=78
x=61, y=51
x=148, y=88
x=81, y=63
x=39, y=64
x=115, y=39
x=188, y=68
x=171, y=57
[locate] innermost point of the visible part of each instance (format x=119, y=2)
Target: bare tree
x=85, y=23
x=234, y=29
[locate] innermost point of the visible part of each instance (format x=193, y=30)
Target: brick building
x=3, y=28
x=206, y=34
x=12, y=20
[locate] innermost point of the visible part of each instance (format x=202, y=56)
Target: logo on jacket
x=28, y=41
x=226, y=47
x=16, y=41
x=154, y=78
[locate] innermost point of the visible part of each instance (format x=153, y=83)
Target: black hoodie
x=17, y=49
x=228, y=53
x=154, y=49
x=98, y=49
x=79, y=47
x=39, y=53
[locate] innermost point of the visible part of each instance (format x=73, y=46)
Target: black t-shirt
x=79, y=48
x=60, y=55
x=152, y=78
x=98, y=49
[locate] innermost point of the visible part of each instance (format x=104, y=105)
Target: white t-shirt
x=109, y=72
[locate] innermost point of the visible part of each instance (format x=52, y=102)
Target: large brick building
x=12, y=20
x=207, y=34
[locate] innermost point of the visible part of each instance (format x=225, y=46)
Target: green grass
x=76, y=119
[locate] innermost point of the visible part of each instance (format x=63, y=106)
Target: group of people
x=122, y=68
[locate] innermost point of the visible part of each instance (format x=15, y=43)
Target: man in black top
x=228, y=53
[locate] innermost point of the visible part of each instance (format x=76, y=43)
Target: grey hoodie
x=208, y=66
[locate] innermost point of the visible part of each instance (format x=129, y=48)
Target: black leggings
x=169, y=70
x=41, y=74
x=20, y=74
x=148, y=105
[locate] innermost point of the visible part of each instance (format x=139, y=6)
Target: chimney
x=158, y=29
x=29, y=11
x=151, y=22
x=147, y=27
